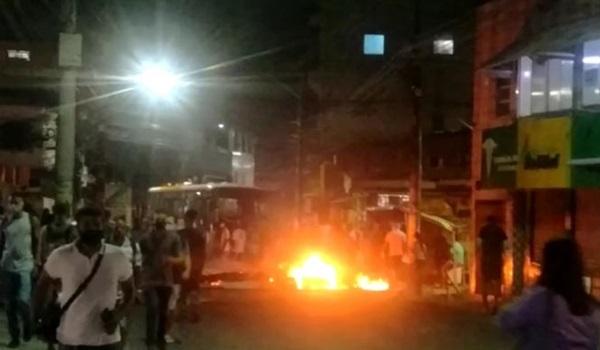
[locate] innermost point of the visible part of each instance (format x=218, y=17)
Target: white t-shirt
x=133, y=255
x=239, y=239
x=82, y=325
x=396, y=241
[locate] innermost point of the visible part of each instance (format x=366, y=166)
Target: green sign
x=499, y=157
x=585, y=148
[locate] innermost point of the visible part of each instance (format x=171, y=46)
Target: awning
x=553, y=31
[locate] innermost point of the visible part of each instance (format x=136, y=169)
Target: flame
x=216, y=283
x=364, y=282
x=315, y=273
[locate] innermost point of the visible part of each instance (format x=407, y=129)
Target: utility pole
x=300, y=154
x=69, y=59
x=413, y=224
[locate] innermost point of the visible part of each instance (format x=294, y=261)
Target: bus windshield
x=213, y=202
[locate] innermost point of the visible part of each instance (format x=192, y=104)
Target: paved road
x=294, y=321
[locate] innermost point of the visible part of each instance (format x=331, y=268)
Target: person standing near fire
x=491, y=242
x=394, y=250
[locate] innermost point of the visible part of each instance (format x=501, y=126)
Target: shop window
x=545, y=85
x=503, y=96
x=591, y=72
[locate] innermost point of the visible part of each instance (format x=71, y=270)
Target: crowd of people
x=95, y=268
x=89, y=270
x=435, y=257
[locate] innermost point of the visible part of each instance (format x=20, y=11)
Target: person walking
x=121, y=237
x=491, y=241
x=194, y=240
x=36, y=227
x=17, y=266
x=91, y=320
x=58, y=232
x=239, y=238
x=226, y=240
x=557, y=313
x=161, y=252
x=454, y=268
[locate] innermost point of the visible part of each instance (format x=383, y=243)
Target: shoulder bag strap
x=83, y=285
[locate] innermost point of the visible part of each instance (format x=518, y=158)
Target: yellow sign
x=544, y=153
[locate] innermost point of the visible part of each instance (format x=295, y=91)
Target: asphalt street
x=290, y=320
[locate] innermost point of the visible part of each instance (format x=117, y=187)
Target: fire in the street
x=316, y=272
x=375, y=285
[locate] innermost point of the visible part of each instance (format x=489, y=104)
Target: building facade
x=382, y=65
x=535, y=156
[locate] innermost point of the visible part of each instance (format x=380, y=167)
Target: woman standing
x=557, y=313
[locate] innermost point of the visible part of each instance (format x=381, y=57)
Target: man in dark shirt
x=194, y=242
x=161, y=253
x=492, y=239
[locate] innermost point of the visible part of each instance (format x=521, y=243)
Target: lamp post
x=69, y=60
x=157, y=80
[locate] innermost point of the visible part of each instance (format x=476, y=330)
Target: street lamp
x=157, y=80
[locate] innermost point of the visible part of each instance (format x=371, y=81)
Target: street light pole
x=415, y=182
x=300, y=160
x=65, y=153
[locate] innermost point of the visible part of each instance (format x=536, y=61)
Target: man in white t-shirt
x=92, y=320
x=239, y=241
x=394, y=250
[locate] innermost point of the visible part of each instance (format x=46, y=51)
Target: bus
x=215, y=202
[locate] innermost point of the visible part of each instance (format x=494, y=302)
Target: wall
x=498, y=24
x=588, y=227
x=550, y=209
x=354, y=87
x=451, y=153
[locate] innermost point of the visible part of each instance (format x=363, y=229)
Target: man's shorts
x=455, y=274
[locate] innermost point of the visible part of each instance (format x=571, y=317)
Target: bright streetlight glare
x=158, y=80
x=221, y=125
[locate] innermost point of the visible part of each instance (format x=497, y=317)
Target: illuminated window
x=374, y=44
x=591, y=73
x=443, y=46
x=18, y=55
x=505, y=89
x=545, y=85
